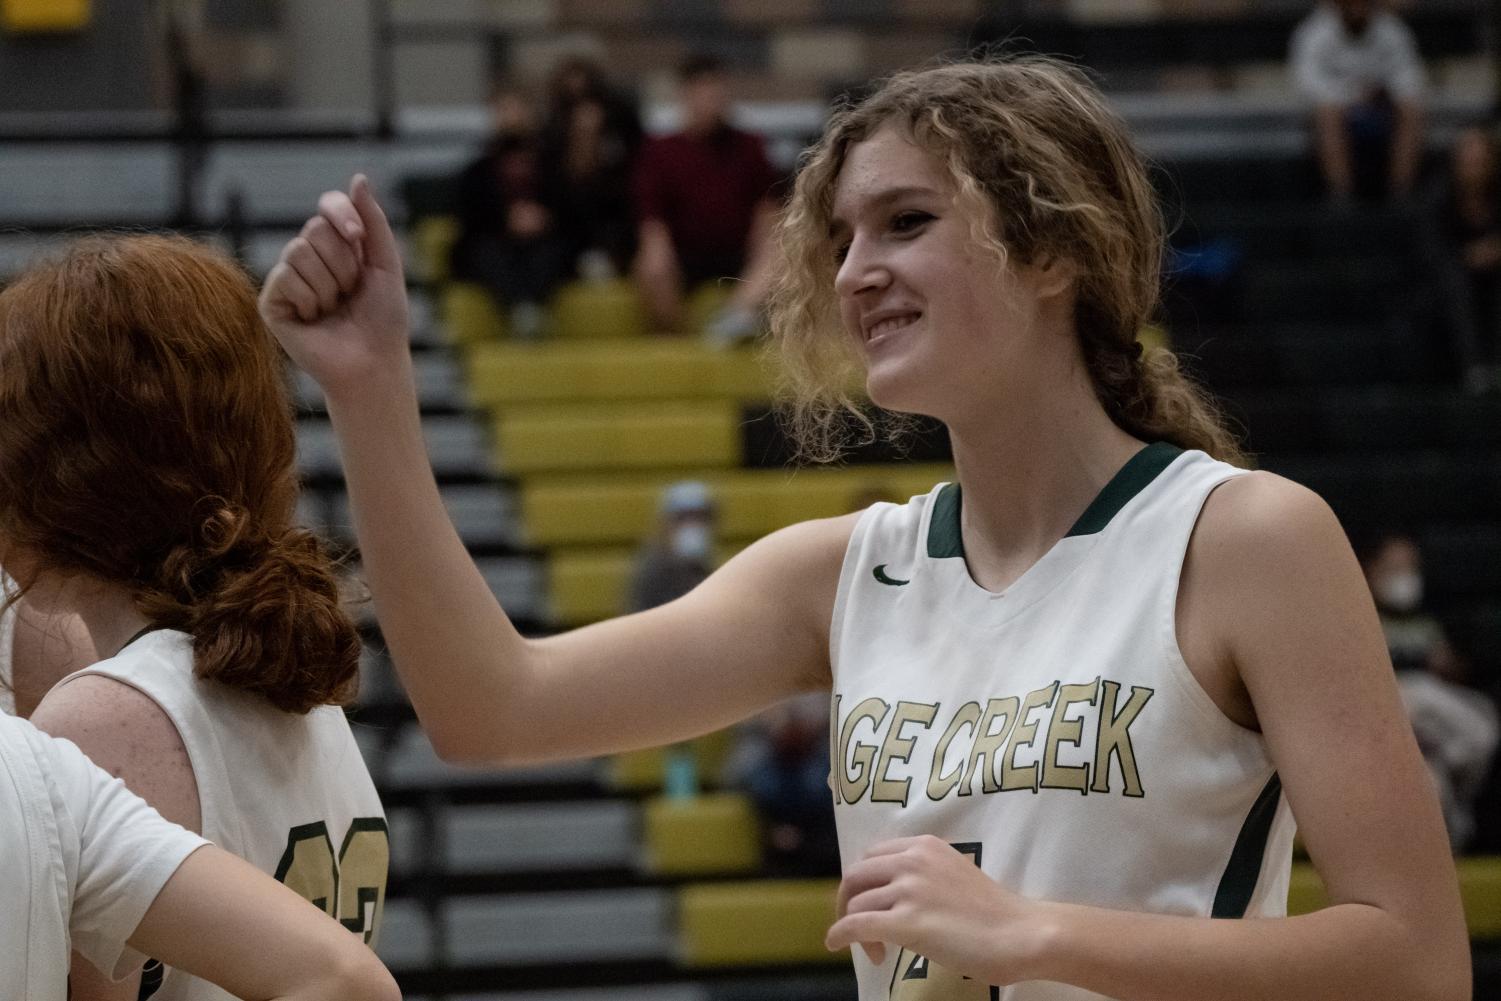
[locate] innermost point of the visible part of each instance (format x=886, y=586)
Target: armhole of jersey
x=1168, y=617
x=847, y=572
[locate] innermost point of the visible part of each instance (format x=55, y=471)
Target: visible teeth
x=892, y=323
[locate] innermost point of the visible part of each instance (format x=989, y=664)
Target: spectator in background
x=681, y=553
x=1462, y=242
x=509, y=239
x=1359, y=66
x=1394, y=570
x=1457, y=731
x=705, y=208
x=589, y=146
x=781, y=760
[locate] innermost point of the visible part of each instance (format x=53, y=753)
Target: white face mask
x=691, y=541
x=1400, y=592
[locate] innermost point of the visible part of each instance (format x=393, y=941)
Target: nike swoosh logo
x=880, y=574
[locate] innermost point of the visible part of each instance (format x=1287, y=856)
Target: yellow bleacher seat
x=603, y=509
x=504, y=375
x=45, y=15
x=700, y=835
x=433, y=238
x=775, y=921
x=598, y=310
x=658, y=435
x=704, y=301
x=589, y=585
x=470, y=314
x=1479, y=886
x=586, y=585
x=644, y=770
x=763, y=923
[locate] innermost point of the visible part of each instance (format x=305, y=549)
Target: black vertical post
x=236, y=226
x=383, y=56
x=190, y=129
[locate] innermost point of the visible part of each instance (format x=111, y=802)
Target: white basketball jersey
x=1052, y=732
x=290, y=794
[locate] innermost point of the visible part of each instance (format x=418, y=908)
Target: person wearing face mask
x=1394, y=569
x=680, y=555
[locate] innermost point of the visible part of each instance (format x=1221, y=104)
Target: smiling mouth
x=890, y=325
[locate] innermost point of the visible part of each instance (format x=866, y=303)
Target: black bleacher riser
x=1401, y=488
x=1293, y=420
x=835, y=982
x=765, y=444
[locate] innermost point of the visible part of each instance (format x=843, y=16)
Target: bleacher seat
x=598, y=310
x=413, y=765
x=1479, y=886
x=470, y=315
x=562, y=927
x=711, y=833
x=621, y=510
x=505, y=376
x=589, y=584
x=45, y=16
x=541, y=837
x=406, y=936
x=619, y=436
x=760, y=923
x=645, y=770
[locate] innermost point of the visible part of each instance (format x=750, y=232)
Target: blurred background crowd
x=588, y=193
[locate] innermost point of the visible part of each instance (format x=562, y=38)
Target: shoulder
x=127, y=734
x=1268, y=551
x=1262, y=513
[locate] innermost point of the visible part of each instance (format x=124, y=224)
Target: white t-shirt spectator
x=1331, y=66
x=84, y=859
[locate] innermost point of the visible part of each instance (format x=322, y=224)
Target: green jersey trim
x=945, y=541
x=1244, y=868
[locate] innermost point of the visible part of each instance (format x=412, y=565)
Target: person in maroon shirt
x=704, y=204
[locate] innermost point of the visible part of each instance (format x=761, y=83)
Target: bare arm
x=129, y=736
x=1407, y=146
x=760, y=254
x=1283, y=593
x=658, y=276
x=756, y=632
x=221, y=919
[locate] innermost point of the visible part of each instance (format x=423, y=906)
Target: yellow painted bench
x=506, y=376
x=711, y=833
x=621, y=509
x=642, y=436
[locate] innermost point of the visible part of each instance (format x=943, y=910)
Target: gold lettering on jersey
x=1022, y=735
x=1072, y=736
x=940, y=785
x=987, y=744
x=1063, y=730
x=898, y=747
x=852, y=786
x=1115, y=738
